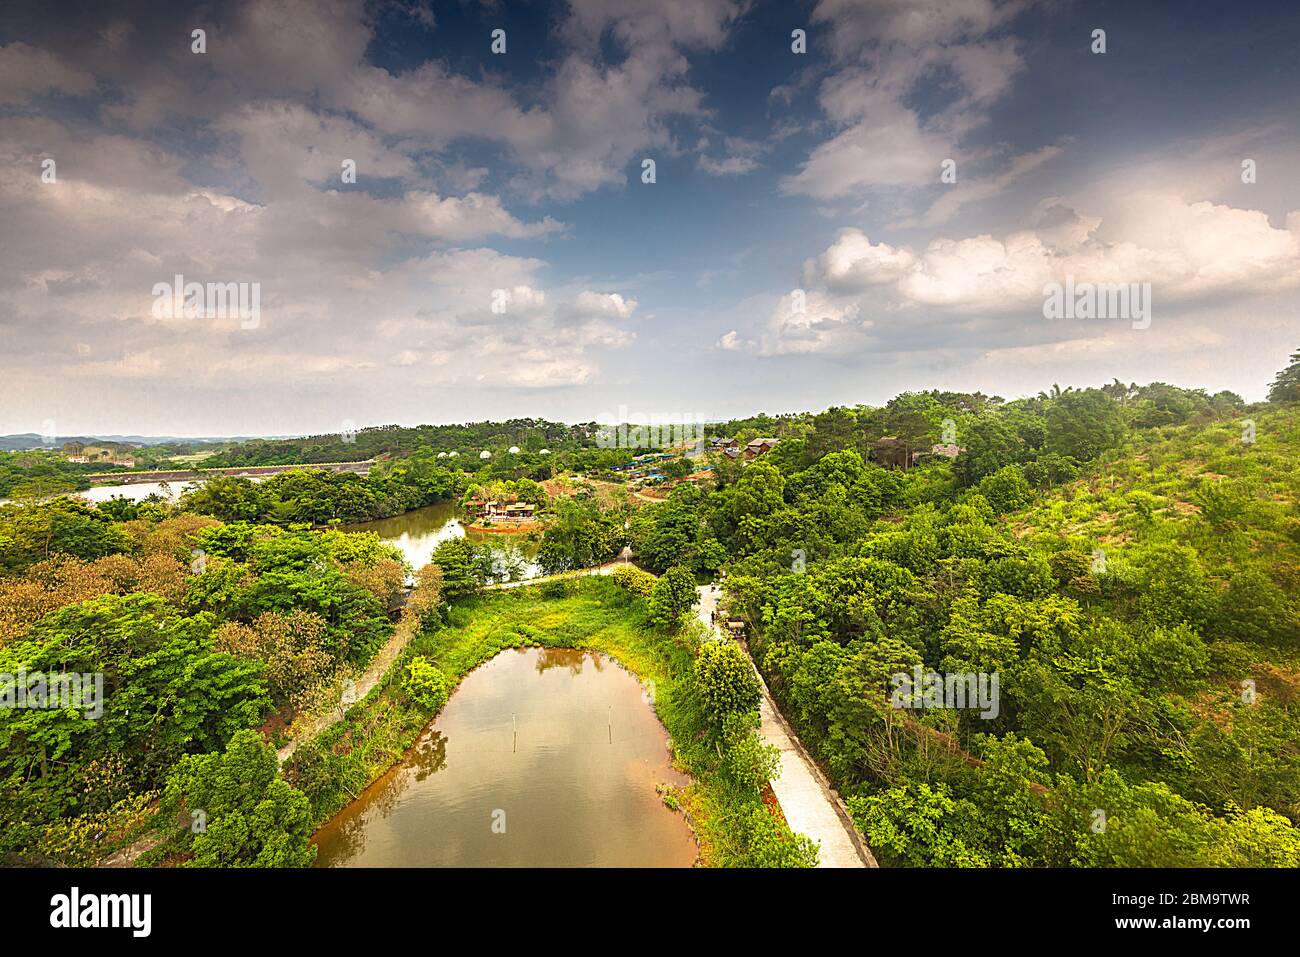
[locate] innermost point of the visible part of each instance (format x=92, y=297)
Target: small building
x=731, y=452
x=947, y=451
x=757, y=447
x=519, y=511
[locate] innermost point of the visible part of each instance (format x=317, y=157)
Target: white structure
x=514, y=450
x=485, y=454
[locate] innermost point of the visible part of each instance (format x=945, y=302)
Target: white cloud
x=853, y=263
x=975, y=289
x=818, y=324
x=604, y=304
x=887, y=48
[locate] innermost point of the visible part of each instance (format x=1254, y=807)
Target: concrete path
x=811, y=806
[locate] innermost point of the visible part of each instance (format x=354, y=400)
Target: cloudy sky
x=499, y=253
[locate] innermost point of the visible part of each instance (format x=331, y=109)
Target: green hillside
x=1122, y=562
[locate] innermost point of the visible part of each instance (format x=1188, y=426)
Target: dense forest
x=1123, y=559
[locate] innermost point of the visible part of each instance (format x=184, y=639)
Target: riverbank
x=504, y=529
x=592, y=614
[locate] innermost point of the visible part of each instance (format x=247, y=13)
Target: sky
x=850, y=199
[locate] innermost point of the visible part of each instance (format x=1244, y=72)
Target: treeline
x=36, y=474
x=530, y=436
x=1122, y=559
x=322, y=497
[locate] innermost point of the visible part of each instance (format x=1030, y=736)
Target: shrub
x=427, y=686
x=771, y=843
x=635, y=580
x=1006, y=489
x=726, y=681
x=1255, y=609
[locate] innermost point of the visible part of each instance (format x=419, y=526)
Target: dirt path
x=811, y=806
x=406, y=629
x=125, y=857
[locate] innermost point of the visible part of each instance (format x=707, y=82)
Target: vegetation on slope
x=1123, y=560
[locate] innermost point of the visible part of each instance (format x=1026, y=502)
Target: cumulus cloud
x=731, y=342
x=887, y=49
x=853, y=263
x=1187, y=251
x=812, y=322
x=602, y=304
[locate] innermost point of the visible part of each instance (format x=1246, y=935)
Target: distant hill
x=31, y=440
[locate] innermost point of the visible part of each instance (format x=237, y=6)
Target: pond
x=541, y=758
x=419, y=532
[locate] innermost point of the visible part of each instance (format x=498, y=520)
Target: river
x=541, y=758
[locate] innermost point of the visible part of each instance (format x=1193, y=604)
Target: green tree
x=672, y=597
x=464, y=570
x=1286, y=386
x=1084, y=424
x=239, y=812
x=426, y=684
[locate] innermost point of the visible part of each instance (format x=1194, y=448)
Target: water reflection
x=563, y=758
x=419, y=532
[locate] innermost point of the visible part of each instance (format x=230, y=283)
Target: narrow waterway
x=419, y=532
x=542, y=757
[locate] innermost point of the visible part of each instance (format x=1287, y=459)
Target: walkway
x=811, y=806
x=406, y=629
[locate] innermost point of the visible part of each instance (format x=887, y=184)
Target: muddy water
x=419, y=532
x=543, y=758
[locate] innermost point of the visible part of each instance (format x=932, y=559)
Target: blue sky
x=798, y=248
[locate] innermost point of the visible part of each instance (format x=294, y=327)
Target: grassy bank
x=732, y=825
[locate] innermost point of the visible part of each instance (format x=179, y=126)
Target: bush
x=1006, y=489
x=771, y=843
x=427, y=686
x=635, y=580
x=1255, y=609
x=726, y=681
